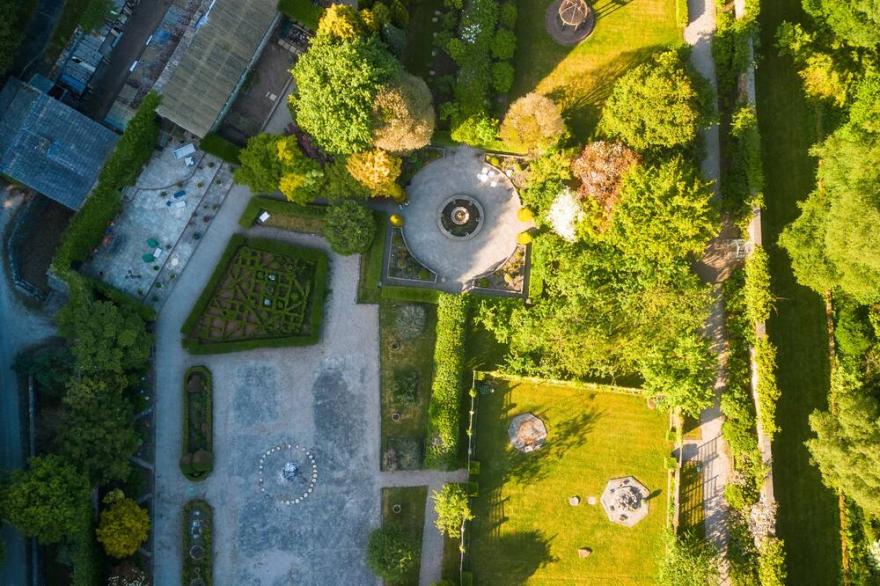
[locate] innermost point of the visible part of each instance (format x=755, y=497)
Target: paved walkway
x=19, y=329
x=458, y=261
x=432, y=541
x=712, y=453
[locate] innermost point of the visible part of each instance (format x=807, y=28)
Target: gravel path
x=712, y=453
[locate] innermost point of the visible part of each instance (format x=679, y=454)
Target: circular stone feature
x=527, y=433
x=458, y=260
x=574, y=500
x=287, y=473
x=625, y=500
x=461, y=216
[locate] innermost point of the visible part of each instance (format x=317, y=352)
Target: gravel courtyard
x=323, y=397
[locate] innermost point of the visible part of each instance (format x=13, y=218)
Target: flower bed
x=509, y=277
x=197, y=456
x=262, y=293
x=198, y=559
x=403, y=265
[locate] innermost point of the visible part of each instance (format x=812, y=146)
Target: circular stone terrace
x=489, y=226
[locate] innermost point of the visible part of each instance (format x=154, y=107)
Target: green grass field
x=580, y=78
x=525, y=530
x=807, y=519
x=400, y=355
x=410, y=519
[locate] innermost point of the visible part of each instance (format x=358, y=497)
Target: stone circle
x=527, y=432
x=287, y=473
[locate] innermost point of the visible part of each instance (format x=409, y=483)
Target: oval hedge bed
x=198, y=558
x=197, y=456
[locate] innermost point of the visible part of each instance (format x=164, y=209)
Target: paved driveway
x=324, y=397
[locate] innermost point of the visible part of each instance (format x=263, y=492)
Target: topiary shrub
x=390, y=555
x=504, y=44
x=349, y=228
x=852, y=328
x=502, y=76
x=202, y=461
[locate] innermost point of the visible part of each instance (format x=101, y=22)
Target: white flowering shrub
x=565, y=214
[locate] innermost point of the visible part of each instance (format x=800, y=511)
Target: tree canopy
x=390, y=555
x=349, y=227
x=453, y=509
x=104, y=337
x=124, y=525
x=855, y=21
x=338, y=83
x=377, y=171
x=403, y=115
x=658, y=105
x=600, y=168
x=48, y=500
x=533, y=123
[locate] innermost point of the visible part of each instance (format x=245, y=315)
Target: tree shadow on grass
x=523, y=554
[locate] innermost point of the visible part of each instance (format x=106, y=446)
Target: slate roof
x=49, y=146
x=213, y=67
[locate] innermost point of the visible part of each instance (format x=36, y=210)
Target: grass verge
x=525, y=530
x=371, y=265
x=410, y=518
x=405, y=369
x=808, y=516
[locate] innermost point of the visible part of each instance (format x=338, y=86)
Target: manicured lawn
x=420, y=36
x=371, y=264
x=807, y=519
x=406, y=364
x=410, y=519
x=525, y=530
x=580, y=78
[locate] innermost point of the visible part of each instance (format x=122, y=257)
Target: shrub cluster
x=443, y=413
x=194, y=567
x=216, y=145
x=197, y=457
x=483, y=49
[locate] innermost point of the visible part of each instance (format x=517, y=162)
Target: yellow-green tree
x=340, y=22
x=124, y=525
x=377, y=171
x=533, y=123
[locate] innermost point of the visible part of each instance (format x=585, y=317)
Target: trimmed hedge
x=190, y=468
x=319, y=286
x=447, y=386
x=758, y=298
x=371, y=264
x=88, y=226
x=274, y=206
x=216, y=145
x=304, y=12
x=768, y=390
x=204, y=567
x=413, y=294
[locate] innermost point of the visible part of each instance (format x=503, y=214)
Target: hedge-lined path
x=432, y=541
x=712, y=454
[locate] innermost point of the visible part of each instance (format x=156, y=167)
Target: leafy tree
x=507, y=14
x=48, y=501
x=771, y=562
x=665, y=212
x=453, y=509
x=340, y=184
x=758, y=295
x=337, y=84
x=689, y=560
x=600, y=168
x=502, y=76
x=302, y=178
x=104, y=337
x=377, y=171
x=260, y=168
x=403, y=115
x=658, y=105
x=855, y=21
x=681, y=375
x=341, y=23
x=390, y=555
x=98, y=433
x=124, y=525
x=533, y=123
x=10, y=33
x=476, y=130
x=376, y=16
x=95, y=13
x=847, y=443
x=50, y=366
x=349, y=228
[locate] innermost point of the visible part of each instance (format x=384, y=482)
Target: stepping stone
x=591, y=501
x=585, y=552
x=574, y=500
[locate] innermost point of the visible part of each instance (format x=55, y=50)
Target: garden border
x=208, y=532
x=185, y=447
x=316, y=311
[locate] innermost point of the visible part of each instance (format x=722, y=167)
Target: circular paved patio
x=458, y=261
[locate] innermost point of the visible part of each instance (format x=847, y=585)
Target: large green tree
x=855, y=21
x=403, y=114
x=337, y=84
x=658, y=105
x=453, y=509
x=847, y=443
x=665, y=212
x=349, y=227
x=48, y=500
x=104, y=337
x=124, y=525
x=98, y=432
